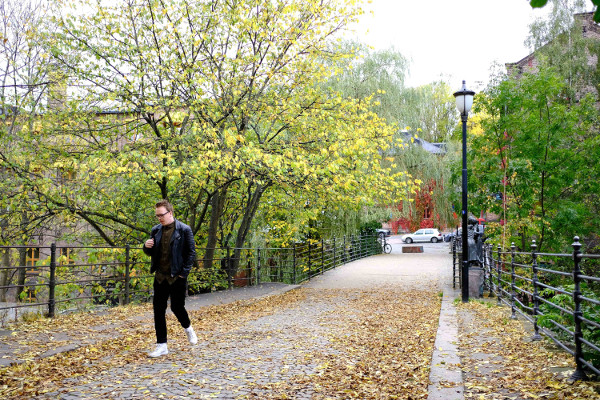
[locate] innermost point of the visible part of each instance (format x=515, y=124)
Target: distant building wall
x=530, y=63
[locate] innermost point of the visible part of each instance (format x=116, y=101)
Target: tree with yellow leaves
x=209, y=104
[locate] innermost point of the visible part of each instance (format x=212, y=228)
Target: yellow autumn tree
x=209, y=104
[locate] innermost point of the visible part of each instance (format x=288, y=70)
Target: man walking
x=173, y=252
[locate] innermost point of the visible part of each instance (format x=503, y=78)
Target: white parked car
x=383, y=232
x=423, y=235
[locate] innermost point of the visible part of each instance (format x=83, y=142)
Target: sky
x=453, y=39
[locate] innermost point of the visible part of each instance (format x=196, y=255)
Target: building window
x=33, y=256
x=66, y=256
x=30, y=295
x=65, y=176
x=427, y=213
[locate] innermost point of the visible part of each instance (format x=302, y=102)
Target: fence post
x=344, y=255
x=52, y=283
x=350, y=248
x=512, y=281
x=484, y=263
x=453, y=263
x=485, y=266
x=363, y=245
x=536, y=303
x=127, y=248
x=499, y=270
x=309, y=260
x=280, y=268
x=490, y=274
x=229, y=271
x=489, y=259
x=334, y=260
x=258, y=265
x=294, y=262
x=579, y=373
x=322, y=256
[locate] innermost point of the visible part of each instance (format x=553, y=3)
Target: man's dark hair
x=165, y=203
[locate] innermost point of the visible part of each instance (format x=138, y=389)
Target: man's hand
x=149, y=243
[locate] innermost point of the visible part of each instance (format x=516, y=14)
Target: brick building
x=589, y=30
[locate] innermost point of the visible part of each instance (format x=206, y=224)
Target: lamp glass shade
x=464, y=99
x=464, y=102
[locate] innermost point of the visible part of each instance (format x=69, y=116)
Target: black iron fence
x=456, y=247
x=558, y=293
x=52, y=279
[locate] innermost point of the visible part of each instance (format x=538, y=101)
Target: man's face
x=164, y=217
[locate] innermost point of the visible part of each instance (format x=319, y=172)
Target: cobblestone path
x=364, y=330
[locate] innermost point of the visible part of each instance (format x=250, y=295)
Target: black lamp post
x=464, y=101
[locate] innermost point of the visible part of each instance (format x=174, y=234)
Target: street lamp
x=464, y=101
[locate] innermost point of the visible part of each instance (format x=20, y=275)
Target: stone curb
x=446, y=371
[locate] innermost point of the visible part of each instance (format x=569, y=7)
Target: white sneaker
x=161, y=350
x=191, y=335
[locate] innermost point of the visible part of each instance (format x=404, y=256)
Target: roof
x=433, y=148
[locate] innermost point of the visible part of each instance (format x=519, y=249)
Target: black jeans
x=162, y=292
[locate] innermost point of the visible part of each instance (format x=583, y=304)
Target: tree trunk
x=523, y=241
x=217, y=204
x=249, y=212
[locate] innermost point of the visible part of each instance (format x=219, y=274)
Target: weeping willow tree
x=379, y=75
x=282, y=226
x=431, y=204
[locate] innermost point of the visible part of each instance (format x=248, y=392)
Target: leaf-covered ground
x=380, y=347
x=305, y=344
x=500, y=361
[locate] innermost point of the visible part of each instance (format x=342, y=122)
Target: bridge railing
x=59, y=278
x=558, y=293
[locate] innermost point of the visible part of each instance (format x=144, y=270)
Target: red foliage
x=423, y=216
x=426, y=223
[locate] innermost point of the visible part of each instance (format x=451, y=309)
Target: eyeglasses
x=159, y=216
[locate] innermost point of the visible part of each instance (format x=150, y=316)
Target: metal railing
x=551, y=291
x=456, y=249
x=56, y=278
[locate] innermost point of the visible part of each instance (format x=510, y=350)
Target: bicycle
x=386, y=247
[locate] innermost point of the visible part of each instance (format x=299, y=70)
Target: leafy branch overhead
x=210, y=104
x=542, y=3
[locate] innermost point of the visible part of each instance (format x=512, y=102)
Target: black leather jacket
x=183, y=249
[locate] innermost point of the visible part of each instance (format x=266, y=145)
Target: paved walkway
x=279, y=335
